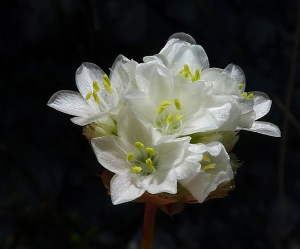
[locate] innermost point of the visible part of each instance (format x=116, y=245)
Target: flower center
x=168, y=120
x=186, y=72
x=96, y=89
x=206, y=165
x=143, y=163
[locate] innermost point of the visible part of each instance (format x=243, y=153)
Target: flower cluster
x=163, y=129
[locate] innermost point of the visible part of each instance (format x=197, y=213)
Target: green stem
x=148, y=227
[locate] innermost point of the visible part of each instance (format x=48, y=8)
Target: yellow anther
x=96, y=98
x=196, y=75
x=136, y=169
x=160, y=109
x=179, y=117
x=250, y=96
x=206, y=159
x=240, y=85
x=169, y=119
x=96, y=86
x=149, y=163
x=244, y=94
x=209, y=166
x=130, y=156
x=186, y=68
x=177, y=104
x=88, y=96
x=150, y=151
x=139, y=145
x=165, y=103
x=106, y=83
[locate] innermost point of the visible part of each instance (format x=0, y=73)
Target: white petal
x=183, y=37
x=101, y=117
x=109, y=153
x=237, y=73
x=86, y=74
x=70, y=102
x=122, y=190
x=246, y=120
x=161, y=182
x=262, y=104
x=118, y=75
x=265, y=128
x=197, y=185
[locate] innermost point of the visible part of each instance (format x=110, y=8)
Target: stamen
x=106, y=83
x=96, y=98
x=196, y=75
x=177, y=104
x=150, y=151
x=240, y=85
x=160, y=109
x=136, y=169
x=206, y=159
x=244, y=94
x=165, y=103
x=209, y=166
x=179, y=117
x=149, y=163
x=169, y=119
x=250, y=96
x=88, y=96
x=139, y=145
x=96, y=86
x=130, y=156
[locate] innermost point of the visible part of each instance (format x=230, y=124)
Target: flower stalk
x=148, y=226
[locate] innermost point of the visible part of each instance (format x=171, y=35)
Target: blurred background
x=50, y=194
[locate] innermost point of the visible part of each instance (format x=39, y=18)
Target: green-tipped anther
x=130, y=156
x=250, y=96
x=106, y=83
x=165, y=103
x=88, y=96
x=96, y=86
x=179, y=117
x=240, y=85
x=169, y=119
x=196, y=75
x=149, y=163
x=139, y=145
x=160, y=109
x=150, y=151
x=206, y=159
x=177, y=104
x=96, y=98
x=209, y=166
x=244, y=94
x=136, y=169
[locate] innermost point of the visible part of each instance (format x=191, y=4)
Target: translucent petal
x=109, y=153
x=183, y=37
x=86, y=74
x=237, y=73
x=262, y=104
x=101, y=117
x=122, y=190
x=161, y=181
x=265, y=128
x=118, y=76
x=70, y=102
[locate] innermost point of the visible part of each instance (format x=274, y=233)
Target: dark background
x=50, y=194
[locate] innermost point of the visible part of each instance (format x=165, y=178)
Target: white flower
x=100, y=96
x=170, y=105
x=138, y=164
x=231, y=82
x=213, y=169
x=182, y=55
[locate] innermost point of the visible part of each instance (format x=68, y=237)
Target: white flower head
x=213, y=169
x=138, y=164
x=171, y=106
x=99, y=95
